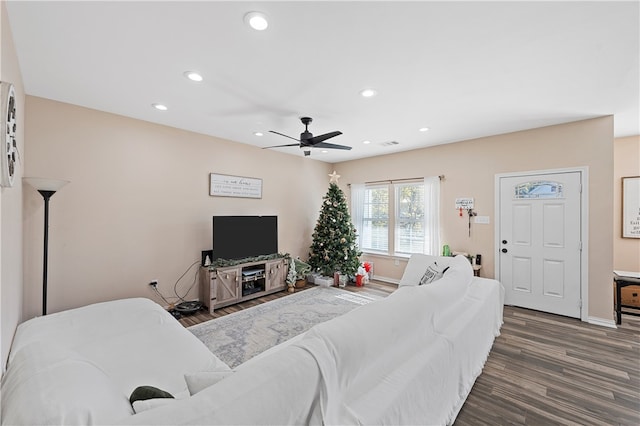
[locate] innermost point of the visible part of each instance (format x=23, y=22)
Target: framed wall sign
x=235, y=186
x=631, y=207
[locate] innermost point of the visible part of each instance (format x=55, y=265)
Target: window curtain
x=432, y=215
x=357, y=209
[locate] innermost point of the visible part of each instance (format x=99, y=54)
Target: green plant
x=301, y=268
x=291, y=274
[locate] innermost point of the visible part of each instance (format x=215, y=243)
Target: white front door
x=539, y=245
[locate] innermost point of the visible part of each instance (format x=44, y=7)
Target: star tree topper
x=334, y=177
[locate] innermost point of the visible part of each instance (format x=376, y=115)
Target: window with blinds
x=409, y=218
x=375, y=219
x=397, y=218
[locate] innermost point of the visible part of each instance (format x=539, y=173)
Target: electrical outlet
x=396, y=262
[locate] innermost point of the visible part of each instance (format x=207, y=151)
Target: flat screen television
x=239, y=237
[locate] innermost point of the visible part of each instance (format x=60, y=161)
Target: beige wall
x=138, y=205
x=138, y=208
x=11, y=203
x=626, y=251
x=470, y=168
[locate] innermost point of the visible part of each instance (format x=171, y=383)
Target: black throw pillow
x=142, y=393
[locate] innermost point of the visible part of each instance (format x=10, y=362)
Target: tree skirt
x=238, y=337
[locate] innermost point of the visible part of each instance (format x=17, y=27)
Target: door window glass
x=538, y=189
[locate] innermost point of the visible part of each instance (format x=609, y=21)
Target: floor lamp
x=46, y=188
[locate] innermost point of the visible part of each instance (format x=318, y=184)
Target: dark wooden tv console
x=224, y=286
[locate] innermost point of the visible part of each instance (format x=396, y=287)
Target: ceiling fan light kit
x=256, y=20
x=193, y=76
x=307, y=140
x=368, y=93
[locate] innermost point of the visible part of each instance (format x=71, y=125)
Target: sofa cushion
x=148, y=404
x=453, y=285
x=49, y=384
x=417, y=266
x=164, y=349
x=198, y=381
x=433, y=273
x=459, y=268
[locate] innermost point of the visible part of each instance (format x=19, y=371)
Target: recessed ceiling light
x=423, y=129
x=368, y=93
x=366, y=142
x=324, y=151
x=193, y=76
x=258, y=134
x=256, y=20
x=160, y=107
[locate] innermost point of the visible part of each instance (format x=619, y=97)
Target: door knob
x=504, y=241
x=504, y=250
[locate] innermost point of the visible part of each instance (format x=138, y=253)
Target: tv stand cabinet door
x=227, y=285
x=276, y=271
x=208, y=288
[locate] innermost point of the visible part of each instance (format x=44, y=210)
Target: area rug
x=238, y=337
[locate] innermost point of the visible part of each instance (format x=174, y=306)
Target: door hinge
x=580, y=246
x=580, y=304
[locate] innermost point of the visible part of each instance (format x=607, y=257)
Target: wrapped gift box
x=324, y=281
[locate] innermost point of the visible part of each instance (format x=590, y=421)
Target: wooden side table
x=623, y=279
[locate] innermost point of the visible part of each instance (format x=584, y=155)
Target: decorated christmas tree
x=334, y=247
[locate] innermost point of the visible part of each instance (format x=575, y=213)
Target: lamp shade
x=45, y=184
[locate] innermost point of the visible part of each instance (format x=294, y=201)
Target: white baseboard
x=385, y=279
x=602, y=322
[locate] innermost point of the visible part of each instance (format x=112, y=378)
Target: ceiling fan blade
x=286, y=136
x=280, y=146
x=314, y=141
x=331, y=146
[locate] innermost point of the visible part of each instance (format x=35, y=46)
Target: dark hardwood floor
x=543, y=369
x=547, y=369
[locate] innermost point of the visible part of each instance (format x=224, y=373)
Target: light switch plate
x=482, y=219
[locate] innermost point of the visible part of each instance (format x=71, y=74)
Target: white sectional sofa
x=80, y=366
x=411, y=358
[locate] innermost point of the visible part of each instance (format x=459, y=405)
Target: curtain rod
x=441, y=177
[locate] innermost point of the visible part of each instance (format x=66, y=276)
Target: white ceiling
x=463, y=69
